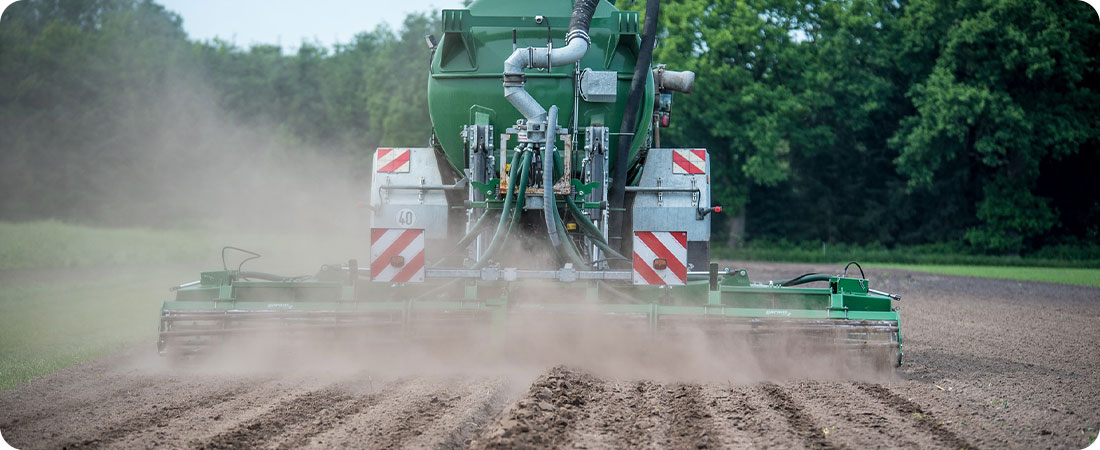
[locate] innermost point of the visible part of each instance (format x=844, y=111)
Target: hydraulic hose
x=630, y=116
x=807, y=278
x=568, y=251
x=525, y=172
x=474, y=230
x=502, y=224
x=549, y=207
x=587, y=226
x=468, y=238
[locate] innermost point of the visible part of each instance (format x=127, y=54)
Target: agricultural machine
x=544, y=192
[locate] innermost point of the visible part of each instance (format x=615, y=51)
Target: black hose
x=582, y=15
x=850, y=263
x=807, y=278
x=637, y=88
x=253, y=255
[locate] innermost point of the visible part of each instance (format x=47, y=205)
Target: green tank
x=466, y=88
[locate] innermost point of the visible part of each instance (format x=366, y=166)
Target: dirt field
x=988, y=364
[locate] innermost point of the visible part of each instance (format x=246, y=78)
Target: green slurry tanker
x=545, y=192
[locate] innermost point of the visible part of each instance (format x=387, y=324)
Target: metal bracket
x=583, y=188
x=421, y=191
x=695, y=193
x=486, y=188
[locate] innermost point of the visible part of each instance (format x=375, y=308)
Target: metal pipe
x=885, y=294
x=576, y=45
x=184, y=285
x=461, y=186
x=549, y=207
x=659, y=189
x=672, y=80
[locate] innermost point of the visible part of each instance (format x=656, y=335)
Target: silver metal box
x=599, y=87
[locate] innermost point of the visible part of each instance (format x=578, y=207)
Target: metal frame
x=222, y=305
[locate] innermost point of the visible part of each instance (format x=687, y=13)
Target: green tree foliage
x=969, y=122
x=111, y=115
x=998, y=88
x=874, y=121
x=790, y=96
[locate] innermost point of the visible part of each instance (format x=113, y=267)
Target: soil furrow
x=49, y=414
x=458, y=426
x=968, y=381
x=689, y=424
x=643, y=411
x=923, y=420
x=851, y=419
x=732, y=415
x=799, y=421
x=393, y=417
x=291, y=422
x=159, y=417
x=198, y=424
x=622, y=415
x=547, y=415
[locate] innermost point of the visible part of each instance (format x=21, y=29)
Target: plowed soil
x=988, y=364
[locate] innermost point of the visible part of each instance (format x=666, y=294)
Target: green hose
x=585, y=223
x=495, y=243
x=568, y=251
x=587, y=226
x=474, y=230
x=524, y=174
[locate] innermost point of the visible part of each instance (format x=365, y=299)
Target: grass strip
x=1061, y=275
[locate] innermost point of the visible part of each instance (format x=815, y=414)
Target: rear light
x=660, y=264
x=717, y=209
x=397, y=261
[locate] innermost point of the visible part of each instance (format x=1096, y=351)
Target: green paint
x=469, y=62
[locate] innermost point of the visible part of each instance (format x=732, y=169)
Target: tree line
x=854, y=121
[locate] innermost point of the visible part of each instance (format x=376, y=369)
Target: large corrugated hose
x=549, y=206
x=582, y=14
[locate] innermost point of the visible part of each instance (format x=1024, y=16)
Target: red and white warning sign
x=390, y=160
x=689, y=162
x=660, y=258
x=396, y=255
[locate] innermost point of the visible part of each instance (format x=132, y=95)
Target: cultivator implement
x=520, y=214
x=843, y=314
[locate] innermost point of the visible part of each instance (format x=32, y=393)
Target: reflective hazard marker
x=397, y=255
x=660, y=258
x=689, y=162
x=389, y=160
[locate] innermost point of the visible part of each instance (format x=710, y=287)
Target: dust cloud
x=604, y=346
x=195, y=165
x=539, y=336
